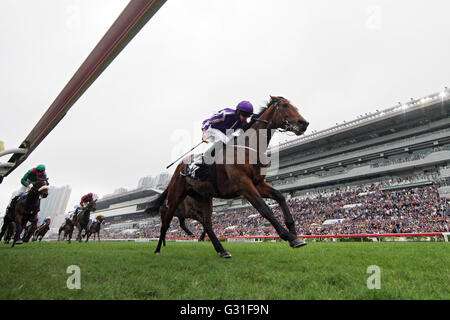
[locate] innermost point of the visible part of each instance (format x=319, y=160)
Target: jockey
x=100, y=217
x=49, y=219
x=215, y=129
x=85, y=200
x=27, y=181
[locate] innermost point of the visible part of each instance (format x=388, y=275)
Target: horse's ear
x=274, y=99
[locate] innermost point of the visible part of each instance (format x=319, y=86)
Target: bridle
x=285, y=125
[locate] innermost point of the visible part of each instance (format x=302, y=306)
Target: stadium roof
x=403, y=116
x=127, y=196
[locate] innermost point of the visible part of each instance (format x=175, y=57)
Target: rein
x=286, y=126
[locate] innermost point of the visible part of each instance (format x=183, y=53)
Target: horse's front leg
x=207, y=227
x=18, y=230
x=250, y=192
x=79, y=239
x=268, y=191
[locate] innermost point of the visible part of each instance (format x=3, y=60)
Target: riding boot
x=193, y=167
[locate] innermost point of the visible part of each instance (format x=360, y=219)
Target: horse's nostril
x=303, y=124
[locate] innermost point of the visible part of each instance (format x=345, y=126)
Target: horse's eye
x=285, y=105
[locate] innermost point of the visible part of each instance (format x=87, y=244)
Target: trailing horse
x=67, y=227
x=94, y=228
x=82, y=218
x=244, y=176
x=27, y=207
x=28, y=232
x=188, y=209
x=7, y=228
x=41, y=231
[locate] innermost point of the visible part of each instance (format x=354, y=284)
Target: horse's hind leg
x=174, y=199
x=4, y=228
x=183, y=226
x=202, y=236
x=165, y=224
x=10, y=231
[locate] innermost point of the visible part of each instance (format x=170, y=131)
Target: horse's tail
x=153, y=206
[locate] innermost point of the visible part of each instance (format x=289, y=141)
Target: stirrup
x=190, y=171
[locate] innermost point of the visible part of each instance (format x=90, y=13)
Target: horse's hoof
x=157, y=252
x=19, y=242
x=225, y=255
x=297, y=243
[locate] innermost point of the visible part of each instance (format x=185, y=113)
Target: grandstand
x=405, y=147
x=124, y=211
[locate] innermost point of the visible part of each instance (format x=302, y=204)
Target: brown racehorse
x=67, y=227
x=28, y=232
x=188, y=209
x=7, y=228
x=26, y=209
x=41, y=231
x=238, y=178
x=94, y=228
x=82, y=219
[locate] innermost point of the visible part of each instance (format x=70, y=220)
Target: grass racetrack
x=191, y=270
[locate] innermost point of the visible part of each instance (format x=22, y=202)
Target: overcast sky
x=334, y=60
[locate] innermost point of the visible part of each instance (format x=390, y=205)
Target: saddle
x=202, y=172
x=22, y=196
x=12, y=205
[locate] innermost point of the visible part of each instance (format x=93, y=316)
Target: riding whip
x=184, y=155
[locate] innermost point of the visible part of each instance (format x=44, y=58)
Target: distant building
x=129, y=205
x=162, y=180
x=120, y=190
x=146, y=182
x=54, y=206
x=159, y=181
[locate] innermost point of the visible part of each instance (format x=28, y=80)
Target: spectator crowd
x=364, y=209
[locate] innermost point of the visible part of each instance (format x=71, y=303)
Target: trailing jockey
x=47, y=219
x=218, y=130
x=85, y=200
x=27, y=181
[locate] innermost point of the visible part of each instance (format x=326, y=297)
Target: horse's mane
x=268, y=103
x=259, y=113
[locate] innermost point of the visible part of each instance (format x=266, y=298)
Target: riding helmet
x=245, y=106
